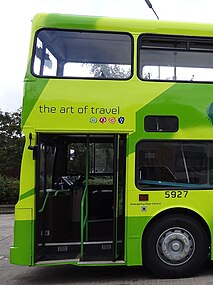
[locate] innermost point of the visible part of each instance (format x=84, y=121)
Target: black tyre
x=175, y=246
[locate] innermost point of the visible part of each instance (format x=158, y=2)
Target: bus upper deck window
x=175, y=58
x=82, y=54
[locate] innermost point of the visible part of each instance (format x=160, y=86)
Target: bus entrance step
x=96, y=258
x=95, y=251
x=54, y=251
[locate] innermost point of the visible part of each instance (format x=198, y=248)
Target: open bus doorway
x=80, y=197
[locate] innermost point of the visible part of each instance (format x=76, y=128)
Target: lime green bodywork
x=131, y=99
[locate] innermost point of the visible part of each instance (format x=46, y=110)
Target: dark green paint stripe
x=191, y=103
x=21, y=253
x=27, y=194
x=33, y=87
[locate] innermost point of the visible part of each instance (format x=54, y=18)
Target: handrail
x=84, y=218
x=174, y=184
x=84, y=204
x=44, y=204
x=48, y=191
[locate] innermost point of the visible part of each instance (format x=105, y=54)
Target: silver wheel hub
x=175, y=246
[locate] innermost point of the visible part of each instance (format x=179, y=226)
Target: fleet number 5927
x=176, y=194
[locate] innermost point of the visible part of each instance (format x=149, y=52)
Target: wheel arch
x=187, y=212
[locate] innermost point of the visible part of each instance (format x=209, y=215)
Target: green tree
x=11, y=143
x=109, y=70
x=9, y=189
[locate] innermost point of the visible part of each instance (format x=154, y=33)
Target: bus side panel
x=21, y=252
x=135, y=227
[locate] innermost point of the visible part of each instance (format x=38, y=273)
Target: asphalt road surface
x=52, y=275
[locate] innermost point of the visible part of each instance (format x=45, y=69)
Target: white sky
x=15, y=23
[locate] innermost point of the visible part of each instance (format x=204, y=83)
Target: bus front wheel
x=175, y=246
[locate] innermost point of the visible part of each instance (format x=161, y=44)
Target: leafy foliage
x=11, y=148
x=11, y=143
x=108, y=70
x=9, y=189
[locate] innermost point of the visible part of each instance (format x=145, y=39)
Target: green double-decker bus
x=117, y=167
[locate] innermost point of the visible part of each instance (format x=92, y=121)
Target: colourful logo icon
x=112, y=120
x=93, y=120
x=102, y=120
x=121, y=120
